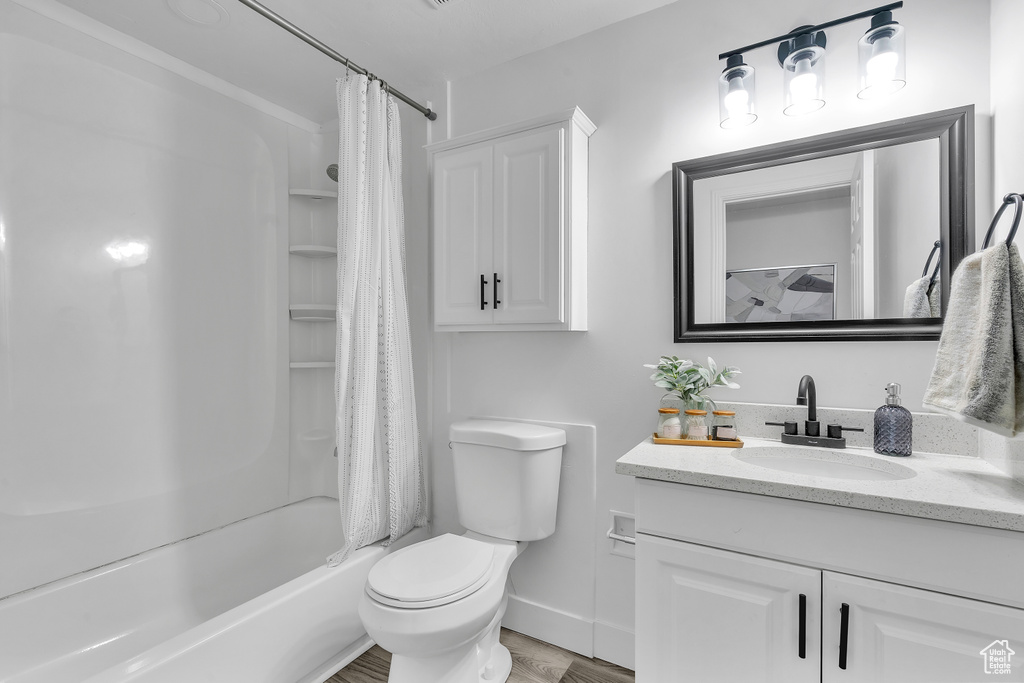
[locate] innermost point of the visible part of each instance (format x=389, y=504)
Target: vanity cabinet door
x=897, y=634
x=711, y=615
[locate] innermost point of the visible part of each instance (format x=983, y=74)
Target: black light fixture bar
x=812, y=29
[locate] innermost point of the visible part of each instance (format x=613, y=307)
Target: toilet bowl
x=437, y=605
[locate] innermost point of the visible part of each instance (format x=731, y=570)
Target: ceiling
x=411, y=44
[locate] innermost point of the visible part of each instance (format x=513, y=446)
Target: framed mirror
x=846, y=236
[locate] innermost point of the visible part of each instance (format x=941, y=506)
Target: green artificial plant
x=688, y=380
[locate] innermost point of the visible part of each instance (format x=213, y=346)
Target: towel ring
x=937, y=248
x=1016, y=200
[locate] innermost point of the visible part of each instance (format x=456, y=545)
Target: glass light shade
x=736, y=103
x=883, y=64
x=804, y=81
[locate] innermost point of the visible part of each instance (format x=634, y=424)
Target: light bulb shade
x=803, y=81
x=882, y=53
x=737, y=106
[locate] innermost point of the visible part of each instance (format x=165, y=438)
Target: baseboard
x=567, y=631
x=335, y=664
x=614, y=644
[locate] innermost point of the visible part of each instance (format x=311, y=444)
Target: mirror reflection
x=838, y=238
x=850, y=235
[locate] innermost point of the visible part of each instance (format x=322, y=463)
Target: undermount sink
x=816, y=462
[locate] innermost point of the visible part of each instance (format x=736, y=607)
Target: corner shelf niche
x=312, y=312
x=311, y=364
x=312, y=251
x=313, y=194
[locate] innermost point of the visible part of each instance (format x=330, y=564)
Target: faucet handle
x=836, y=431
x=789, y=426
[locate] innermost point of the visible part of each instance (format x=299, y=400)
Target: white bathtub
x=251, y=601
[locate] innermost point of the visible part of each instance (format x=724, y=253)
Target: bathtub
x=250, y=601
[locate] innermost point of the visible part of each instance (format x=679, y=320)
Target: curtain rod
x=333, y=54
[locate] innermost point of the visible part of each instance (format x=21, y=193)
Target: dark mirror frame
x=954, y=128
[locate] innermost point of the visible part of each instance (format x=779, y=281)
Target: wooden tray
x=694, y=442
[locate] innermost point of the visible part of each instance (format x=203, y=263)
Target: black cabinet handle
x=495, y=297
x=802, y=647
x=844, y=633
x=483, y=292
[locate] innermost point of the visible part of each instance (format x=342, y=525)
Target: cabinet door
x=528, y=257
x=710, y=615
x=897, y=634
x=463, y=225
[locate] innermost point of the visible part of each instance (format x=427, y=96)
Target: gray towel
x=918, y=303
x=979, y=367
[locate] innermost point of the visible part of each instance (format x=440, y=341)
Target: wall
x=810, y=231
x=907, y=215
x=1007, y=101
x=650, y=86
x=143, y=334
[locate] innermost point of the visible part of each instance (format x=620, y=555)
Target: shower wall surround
x=143, y=293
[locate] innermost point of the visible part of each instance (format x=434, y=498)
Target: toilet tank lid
x=518, y=436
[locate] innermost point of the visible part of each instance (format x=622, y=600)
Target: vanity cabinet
x=741, y=587
x=510, y=227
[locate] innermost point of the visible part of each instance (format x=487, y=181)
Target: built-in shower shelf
x=313, y=194
x=312, y=251
x=312, y=312
x=310, y=364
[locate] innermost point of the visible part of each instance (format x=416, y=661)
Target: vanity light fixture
x=801, y=54
x=736, y=94
x=883, y=63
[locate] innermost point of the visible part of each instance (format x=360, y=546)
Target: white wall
x=1007, y=103
x=143, y=400
x=650, y=86
x=907, y=218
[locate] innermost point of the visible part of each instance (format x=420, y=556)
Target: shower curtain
x=380, y=466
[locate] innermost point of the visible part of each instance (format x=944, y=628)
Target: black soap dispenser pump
x=893, y=425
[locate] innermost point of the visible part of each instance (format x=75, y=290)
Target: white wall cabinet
x=735, y=613
x=510, y=227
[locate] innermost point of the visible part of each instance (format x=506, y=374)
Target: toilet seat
x=432, y=573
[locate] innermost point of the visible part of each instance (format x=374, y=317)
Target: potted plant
x=689, y=380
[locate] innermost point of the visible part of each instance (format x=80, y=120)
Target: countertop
x=953, y=488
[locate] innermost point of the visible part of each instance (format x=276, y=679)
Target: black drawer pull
x=483, y=292
x=495, y=297
x=802, y=647
x=844, y=633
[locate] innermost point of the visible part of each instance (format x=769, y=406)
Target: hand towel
x=918, y=303
x=979, y=367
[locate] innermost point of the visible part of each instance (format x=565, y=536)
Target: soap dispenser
x=893, y=424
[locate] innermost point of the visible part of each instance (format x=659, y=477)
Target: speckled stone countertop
x=952, y=488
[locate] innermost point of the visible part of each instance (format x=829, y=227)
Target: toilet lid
x=437, y=571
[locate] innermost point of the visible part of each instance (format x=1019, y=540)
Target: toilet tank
x=506, y=477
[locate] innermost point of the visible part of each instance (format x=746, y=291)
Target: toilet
x=437, y=605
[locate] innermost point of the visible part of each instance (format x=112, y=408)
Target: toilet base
x=482, y=660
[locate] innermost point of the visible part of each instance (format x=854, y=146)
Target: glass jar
x=723, y=426
x=696, y=425
x=669, y=424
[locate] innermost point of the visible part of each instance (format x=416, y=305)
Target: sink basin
x=832, y=464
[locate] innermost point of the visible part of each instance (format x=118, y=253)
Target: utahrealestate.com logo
x=997, y=657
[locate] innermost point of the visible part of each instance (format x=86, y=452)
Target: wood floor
x=532, y=662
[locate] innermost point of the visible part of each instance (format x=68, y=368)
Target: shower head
x=332, y=172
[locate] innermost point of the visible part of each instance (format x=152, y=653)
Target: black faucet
x=807, y=396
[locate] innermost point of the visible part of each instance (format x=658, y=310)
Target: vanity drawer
x=961, y=559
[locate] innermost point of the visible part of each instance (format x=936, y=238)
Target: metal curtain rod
x=809, y=29
x=333, y=54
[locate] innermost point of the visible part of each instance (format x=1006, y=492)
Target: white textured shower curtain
x=380, y=466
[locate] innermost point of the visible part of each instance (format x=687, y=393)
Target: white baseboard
x=614, y=644
x=567, y=631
